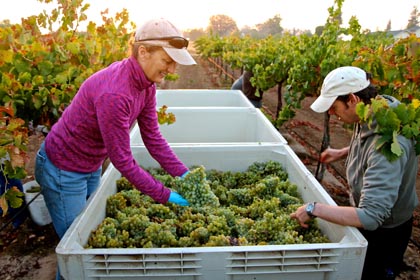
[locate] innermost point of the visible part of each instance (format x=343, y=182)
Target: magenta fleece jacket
x=97, y=124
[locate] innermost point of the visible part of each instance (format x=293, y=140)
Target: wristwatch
x=310, y=207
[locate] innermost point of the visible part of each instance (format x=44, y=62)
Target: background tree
x=194, y=33
x=248, y=31
x=222, y=25
x=413, y=20
x=319, y=29
x=388, y=26
x=270, y=27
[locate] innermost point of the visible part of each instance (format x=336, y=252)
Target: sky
x=189, y=14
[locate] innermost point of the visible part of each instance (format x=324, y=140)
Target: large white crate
x=341, y=259
x=201, y=98
x=226, y=126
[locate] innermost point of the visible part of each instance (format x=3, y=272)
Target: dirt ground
x=29, y=251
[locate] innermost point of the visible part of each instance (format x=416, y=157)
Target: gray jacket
x=384, y=192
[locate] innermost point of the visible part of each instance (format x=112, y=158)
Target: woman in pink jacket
x=97, y=125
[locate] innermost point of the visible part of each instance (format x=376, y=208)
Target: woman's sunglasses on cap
x=176, y=42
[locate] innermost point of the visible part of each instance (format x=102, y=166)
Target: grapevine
x=255, y=211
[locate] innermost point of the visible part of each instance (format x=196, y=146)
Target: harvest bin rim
x=341, y=259
x=216, y=126
x=202, y=98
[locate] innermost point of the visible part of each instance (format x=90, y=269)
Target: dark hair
x=365, y=94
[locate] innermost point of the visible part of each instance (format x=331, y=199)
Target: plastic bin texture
x=201, y=98
x=226, y=126
x=342, y=258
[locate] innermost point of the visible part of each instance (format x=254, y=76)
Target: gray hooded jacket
x=384, y=192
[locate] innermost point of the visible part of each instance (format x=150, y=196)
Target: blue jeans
x=65, y=193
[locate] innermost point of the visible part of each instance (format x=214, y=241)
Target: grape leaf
x=15, y=197
x=395, y=146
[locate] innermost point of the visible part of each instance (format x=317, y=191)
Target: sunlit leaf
x=395, y=146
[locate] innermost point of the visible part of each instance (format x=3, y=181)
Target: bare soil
x=28, y=252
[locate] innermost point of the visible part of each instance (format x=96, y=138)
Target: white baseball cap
x=160, y=32
x=340, y=81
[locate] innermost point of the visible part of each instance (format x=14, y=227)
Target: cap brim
x=180, y=56
x=323, y=104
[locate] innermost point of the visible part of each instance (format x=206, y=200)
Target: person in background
x=97, y=125
x=384, y=192
x=243, y=83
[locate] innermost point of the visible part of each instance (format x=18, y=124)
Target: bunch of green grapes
x=131, y=211
x=196, y=189
x=159, y=235
x=186, y=241
x=115, y=203
x=239, y=211
x=218, y=240
x=220, y=191
x=240, y=196
x=135, y=226
x=160, y=211
x=266, y=188
x=259, y=207
x=107, y=235
x=133, y=197
x=217, y=225
x=255, y=210
x=243, y=226
x=263, y=169
x=123, y=184
x=313, y=234
x=200, y=235
x=287, y=199
x=229, y=215
x=184, y=228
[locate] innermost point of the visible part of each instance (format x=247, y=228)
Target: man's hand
x=331, y=155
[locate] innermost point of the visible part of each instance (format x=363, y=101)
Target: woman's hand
x=176, y=198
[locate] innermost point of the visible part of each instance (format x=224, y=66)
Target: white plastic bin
x=341, y=259
x=202, y=98
x=37, y=209
x=226, y=126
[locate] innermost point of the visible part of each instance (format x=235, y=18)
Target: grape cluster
x=196, y=189
x=227, y=209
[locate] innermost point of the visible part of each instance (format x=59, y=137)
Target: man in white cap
x=97, y=125
x=384, y=192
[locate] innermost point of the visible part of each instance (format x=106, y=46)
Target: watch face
x=310, y=209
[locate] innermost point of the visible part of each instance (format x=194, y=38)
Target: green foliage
x=256, y=211
x=13, y=145
x=46, y=58
x=298, y=64
x=390, y=122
